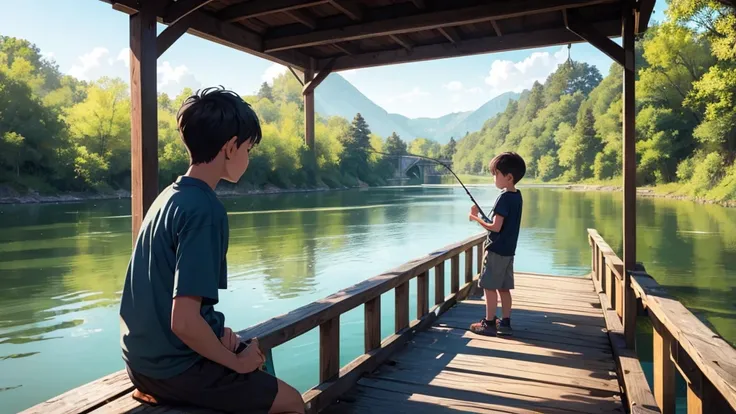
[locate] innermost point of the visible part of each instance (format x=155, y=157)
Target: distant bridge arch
x=411, y=167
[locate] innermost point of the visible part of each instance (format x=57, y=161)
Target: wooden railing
x=680, y=341
x=325, y=314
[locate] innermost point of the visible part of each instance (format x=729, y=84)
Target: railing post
x=422, y=295
x=479, y=259
x=373, y=324
x=402, y=306
x=454, y=274
x=439, y=283
x=664, y=369
x=469, y=265
x=629, y=312
x=329, y=349
x=601, y=272
x=610, y=286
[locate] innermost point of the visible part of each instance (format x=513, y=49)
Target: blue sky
x=88, y=39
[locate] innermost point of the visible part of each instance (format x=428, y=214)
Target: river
x=62, y=267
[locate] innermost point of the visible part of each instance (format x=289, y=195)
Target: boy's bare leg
x=505, y=302
x=491, y=303
x=288, y=400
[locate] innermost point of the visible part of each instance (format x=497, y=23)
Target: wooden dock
x=569, y=351
x=559, y=359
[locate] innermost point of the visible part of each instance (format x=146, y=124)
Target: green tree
x=265, y=91
x=394, y=145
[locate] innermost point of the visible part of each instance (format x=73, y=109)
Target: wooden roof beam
x=496, y=28
x=206, y=26
x=490, y=44
x=645, y=8
x=419, y=3
x=349, y=8
x=450, y=33
x=302, y=18
x=424, y=21
x=248, y=9
x=588, y=33
x=181, y=9
x=322, y=75
x=403, y=41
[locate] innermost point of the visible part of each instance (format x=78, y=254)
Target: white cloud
x=349, y=74
x=99, y=62
x=124, y=56
x=505, y=75
x=453, y=86
x=272, y=72
x=88, y=62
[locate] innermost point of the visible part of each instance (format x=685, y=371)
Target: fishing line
x=480, y=210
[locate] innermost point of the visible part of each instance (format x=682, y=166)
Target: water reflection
x=62, y=266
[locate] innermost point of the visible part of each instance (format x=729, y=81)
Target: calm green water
x=62, y=267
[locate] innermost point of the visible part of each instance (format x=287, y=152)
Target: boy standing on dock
x=497, y=275
x=176, y=348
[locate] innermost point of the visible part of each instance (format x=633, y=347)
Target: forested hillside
x=569, y=128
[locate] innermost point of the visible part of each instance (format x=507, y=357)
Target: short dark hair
x=210, y=118
x=508, y=163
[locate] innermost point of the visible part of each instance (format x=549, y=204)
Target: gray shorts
x=498, y=272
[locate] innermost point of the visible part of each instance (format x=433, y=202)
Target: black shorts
x=210, y=385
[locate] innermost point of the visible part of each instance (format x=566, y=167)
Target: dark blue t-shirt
x=508, y=205
x=180, y=250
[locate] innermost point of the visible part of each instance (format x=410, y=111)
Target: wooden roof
x=350, y=34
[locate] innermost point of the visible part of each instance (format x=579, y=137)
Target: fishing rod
x=480, y=210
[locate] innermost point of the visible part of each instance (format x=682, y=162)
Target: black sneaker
x=484, y=326
x=503, y=327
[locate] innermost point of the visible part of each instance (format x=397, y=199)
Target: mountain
x=336, y=96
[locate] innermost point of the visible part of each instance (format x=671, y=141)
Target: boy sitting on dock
x=176, y=347
x=497, y=275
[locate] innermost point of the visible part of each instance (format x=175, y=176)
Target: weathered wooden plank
x=280, y=329
x=350, y=8
x=639, y=396
x=401, y=306
x=87, y=397
x=468, y=265
x=439, y=283
x=239, y=11
x=373, y=324
x=329, y=349
x=663, y=368
x=712, y=355
x=454, y=274
x=422, y=294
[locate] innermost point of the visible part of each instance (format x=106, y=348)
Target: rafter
x=450, y=33
x=471, y=47
x=250, y=9
x=403, y=41
x=208, y=27
x=496, y=28
x=419, y=3
x=302, y=18
x=322, y=75
x=348, y=7
x=590, y=34
x=181, y=9
x=424, y=21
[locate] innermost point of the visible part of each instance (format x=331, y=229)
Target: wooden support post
x=422, y=294
x=402, y=306
x=702, y=395
x=309, y=109
x=373, y=324
x=601, y=271
x=439, y=283
x=144, y=113
x=468, y=265
x=664, y=369
x=629, y=173
x=610, y=287
x=480, y=253
x=329, y=349
x=454, y=274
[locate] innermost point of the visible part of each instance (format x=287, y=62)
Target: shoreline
x=8, y=197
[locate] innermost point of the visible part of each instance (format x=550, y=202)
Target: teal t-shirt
x=180, y=250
